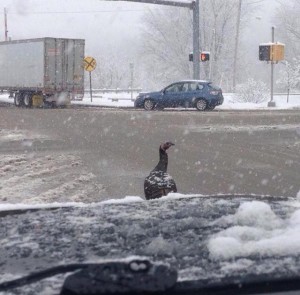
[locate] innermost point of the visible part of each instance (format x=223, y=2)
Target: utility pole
x=196, y=39
x=212, y=50
x=5, y=25
x=237, y=37
x=272, y=103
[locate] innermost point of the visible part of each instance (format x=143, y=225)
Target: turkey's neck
x=163, y=161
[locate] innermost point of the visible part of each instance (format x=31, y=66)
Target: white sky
x=101, y=23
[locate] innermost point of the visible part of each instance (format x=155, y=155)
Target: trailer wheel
x=28, y=100
x=18, y=100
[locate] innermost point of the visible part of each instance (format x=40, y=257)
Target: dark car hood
x=212, y=238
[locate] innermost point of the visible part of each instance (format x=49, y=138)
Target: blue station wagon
x=202, y=95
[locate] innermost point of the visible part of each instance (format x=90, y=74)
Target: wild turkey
x=159, y=183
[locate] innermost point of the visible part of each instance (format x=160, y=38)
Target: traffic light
x=204, y=56
x=265, y=52
x=271, y=52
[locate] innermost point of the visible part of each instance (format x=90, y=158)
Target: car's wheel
x=149, y=104
x=18, y=100
x=201, y=104
x=28, y=100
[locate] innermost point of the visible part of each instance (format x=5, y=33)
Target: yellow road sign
x=89, y=63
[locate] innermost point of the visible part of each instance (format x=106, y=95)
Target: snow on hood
x=256, y=230
x=208, y=238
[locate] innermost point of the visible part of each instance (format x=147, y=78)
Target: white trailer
x=42, y=71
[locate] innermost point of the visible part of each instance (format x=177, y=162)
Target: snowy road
x=88, y=155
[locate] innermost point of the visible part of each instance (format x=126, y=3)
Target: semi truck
x=43, y=71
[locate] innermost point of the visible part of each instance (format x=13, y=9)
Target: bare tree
x=109, y=74
x=217, y=30
x=290, y=75
x=113, y=70
x=288, y=26
x=167, y=41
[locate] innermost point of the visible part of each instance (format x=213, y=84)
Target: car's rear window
x=213, y=86
x=195, y=86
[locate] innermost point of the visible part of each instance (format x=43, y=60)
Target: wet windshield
x=97, y=164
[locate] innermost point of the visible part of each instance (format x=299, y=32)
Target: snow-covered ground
x=53, y=177
x=123, y=99
x=45, y=174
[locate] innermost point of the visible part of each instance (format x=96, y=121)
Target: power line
x=256, y=2
x=79, y=12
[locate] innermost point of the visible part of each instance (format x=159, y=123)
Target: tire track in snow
x=35, y=178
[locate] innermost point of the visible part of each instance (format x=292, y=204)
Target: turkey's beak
x=169, y=144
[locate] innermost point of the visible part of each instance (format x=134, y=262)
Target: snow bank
x=124, y=100
x=256, y=230
x=52, y=178
x=20, y=135
x=280, y=100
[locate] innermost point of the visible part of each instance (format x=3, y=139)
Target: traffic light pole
x=194, y=5
x=236, y=46
x=272, y=103
x=196, y=41
x=5, y=25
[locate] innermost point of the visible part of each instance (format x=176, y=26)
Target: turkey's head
x=166, y=145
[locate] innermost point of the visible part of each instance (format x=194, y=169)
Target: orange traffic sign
x=89, y=63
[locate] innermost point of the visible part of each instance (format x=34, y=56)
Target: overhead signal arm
x=193, y=5
x=164, y=2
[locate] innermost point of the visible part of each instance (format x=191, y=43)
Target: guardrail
x=133, y=93
x=275, y=94
x=118, y=90
x=285, y=94
x=117, y=99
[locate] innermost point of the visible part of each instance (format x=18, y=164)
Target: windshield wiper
x=120, y=276
x=141, y=276
x=40, y=275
